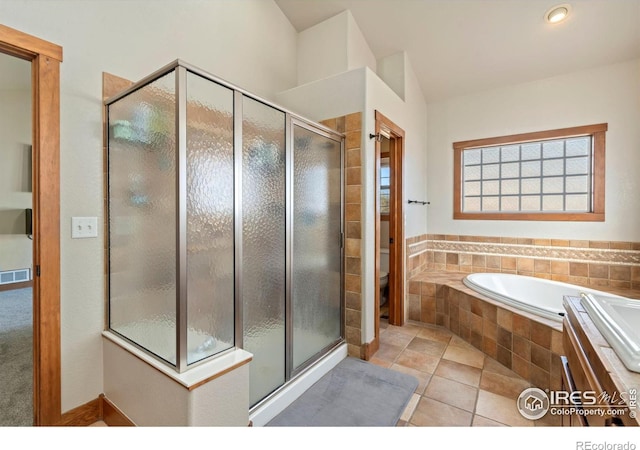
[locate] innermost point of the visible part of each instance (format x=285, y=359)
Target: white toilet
x=384, y=280
x=384, y=275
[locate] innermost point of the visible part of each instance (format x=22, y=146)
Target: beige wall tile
x=621, y=273
x=354, y=194
x=542, y=266
x=620, y=284
x=508, y=263
x=354, y=176
x=598, y=271
x=579, y=244
x=452, y=258
x=428, y=289
x=616, y=245
x=353, y=121
x=540, y=334
x=559, y=267
x=352, y=266
x=525, y=265
x=353, y=335
x=352, y=247
x=352, y=283
x=490, y=347
x=354, y=230
x=353, y=318
x=505, y=319
x=599, y=244
x=504, y=338
x=578, y=269
x=522, y=347
x=465, y=259
x=479, y=261
x=598, y=282
x=352, y=212
x=493, y=262
x=556, y=342
x=352, y=139
x=353, y=300
x=353, y=158
x=521, y=326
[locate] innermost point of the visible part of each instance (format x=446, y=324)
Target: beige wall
x=606, y=94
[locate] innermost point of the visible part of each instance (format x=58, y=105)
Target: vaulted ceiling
x=463, y=46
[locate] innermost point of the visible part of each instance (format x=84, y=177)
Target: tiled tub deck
x=529, y=345
x=525, y=343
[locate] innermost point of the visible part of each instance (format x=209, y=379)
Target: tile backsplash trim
x=595, y=263
x=571, y=254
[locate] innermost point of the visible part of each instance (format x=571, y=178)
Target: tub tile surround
x=351, y=126
x=527, y=344
x=595, y=264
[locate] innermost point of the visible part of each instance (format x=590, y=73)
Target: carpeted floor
x=354, y=393
x=16, y=358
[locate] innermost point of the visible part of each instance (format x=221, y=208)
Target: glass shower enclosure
x=225, y=216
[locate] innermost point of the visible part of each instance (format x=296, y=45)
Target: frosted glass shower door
x=317, y=250
x=209, y=214
x=263, y=245
x=224, y=227
x=142, y=225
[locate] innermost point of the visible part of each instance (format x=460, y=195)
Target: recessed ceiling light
x=557, y=13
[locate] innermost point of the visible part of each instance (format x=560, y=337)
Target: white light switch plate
x=84, y=227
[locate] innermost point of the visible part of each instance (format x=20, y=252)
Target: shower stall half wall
x=225, y=227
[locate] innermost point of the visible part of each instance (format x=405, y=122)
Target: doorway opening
x=389, y=223
x=16, y=250
x=44, y=58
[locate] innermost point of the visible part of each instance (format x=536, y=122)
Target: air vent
x=15, y=276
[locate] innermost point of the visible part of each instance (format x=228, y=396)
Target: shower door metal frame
x=291, y=122
x=181, y=69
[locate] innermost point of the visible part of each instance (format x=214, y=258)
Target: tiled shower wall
x=351, y=126
x=599, y=264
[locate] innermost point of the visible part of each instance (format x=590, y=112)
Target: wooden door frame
x=45, y=59
x=396, y=223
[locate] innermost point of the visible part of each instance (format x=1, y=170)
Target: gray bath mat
x=355, y=393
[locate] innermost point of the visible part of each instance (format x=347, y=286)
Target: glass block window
x=537, y=176
x=542, y=176
x=385, y=186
